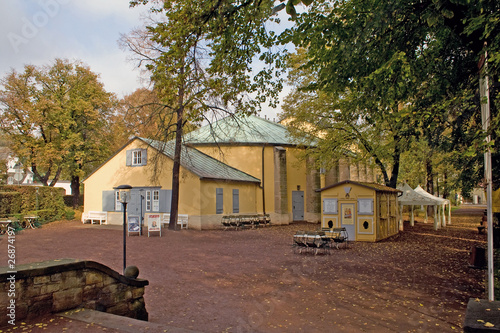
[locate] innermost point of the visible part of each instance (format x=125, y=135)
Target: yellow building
x=368, y=211
x=233, y=166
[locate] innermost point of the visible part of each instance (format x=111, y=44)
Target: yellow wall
x=249, y=160
x=296, y=175
x=115, y=172
x=196, y=197
x=496, y=201
x=247, y=197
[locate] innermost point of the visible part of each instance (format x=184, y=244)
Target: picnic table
x=316, y=241
x=5, y=223
x=245, y=221
x=29, y=221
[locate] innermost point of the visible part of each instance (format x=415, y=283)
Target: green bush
x=45, y=202
x=69, y=214
x=10, y=203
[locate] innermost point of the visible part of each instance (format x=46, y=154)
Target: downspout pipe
x=263, y=182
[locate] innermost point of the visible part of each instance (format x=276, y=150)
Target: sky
x=38, y=31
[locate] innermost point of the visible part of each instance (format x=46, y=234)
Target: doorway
x=298, y=205
x=347, y=218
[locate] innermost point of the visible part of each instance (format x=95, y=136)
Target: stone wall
x=37, y=289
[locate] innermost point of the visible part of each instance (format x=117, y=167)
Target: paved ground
x=251, y=281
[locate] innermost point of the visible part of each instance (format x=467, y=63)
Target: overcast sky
x=38, y=31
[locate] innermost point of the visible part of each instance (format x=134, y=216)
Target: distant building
x=17, y=174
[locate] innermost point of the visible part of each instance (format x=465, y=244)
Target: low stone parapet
x=42, y=288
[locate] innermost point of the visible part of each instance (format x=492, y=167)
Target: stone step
x=119, y=323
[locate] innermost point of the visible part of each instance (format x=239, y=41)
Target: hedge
x=46, y=202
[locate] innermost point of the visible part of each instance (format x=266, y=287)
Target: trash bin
x=496, y=237
x=477, y=257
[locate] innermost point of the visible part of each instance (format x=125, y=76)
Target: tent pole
x=449, y=213
x=412, y=220
x=401, y=224
x=444, y=215
x=436, y=220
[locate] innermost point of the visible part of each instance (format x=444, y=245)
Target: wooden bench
x=91, y=216
x=182, y=220
x=245, y=221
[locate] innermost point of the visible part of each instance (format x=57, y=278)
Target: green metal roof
x=201, y=164
x=241, y=130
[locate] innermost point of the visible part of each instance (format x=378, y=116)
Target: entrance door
x=134, y=206
x=348, y=218
x=298, y=205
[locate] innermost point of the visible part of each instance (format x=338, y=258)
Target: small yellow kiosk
x=368, y=211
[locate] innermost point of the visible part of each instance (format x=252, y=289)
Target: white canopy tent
x=412, y=198
x=441, y=213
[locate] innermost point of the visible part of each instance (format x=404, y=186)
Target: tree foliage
x=56, y=118
x=402, y=70
x=199, y=56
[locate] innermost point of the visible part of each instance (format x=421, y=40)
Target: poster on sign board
x=154, y=223
x=133, y=224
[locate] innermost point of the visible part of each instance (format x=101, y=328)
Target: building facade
x=233, y=166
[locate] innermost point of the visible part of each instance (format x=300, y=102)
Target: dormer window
x=136, y=157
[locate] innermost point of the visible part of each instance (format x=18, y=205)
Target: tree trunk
x=429, y=186
x=396, y=157
x=174, y=207
x=446, y=192
x=75, y=191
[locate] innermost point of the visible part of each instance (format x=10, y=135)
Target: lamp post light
x=124, y=195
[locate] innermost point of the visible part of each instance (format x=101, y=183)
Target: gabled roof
x=200, y=164
x=240, y=130
x=374, y=186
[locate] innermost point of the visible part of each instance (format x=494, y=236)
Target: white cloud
x=38, y=31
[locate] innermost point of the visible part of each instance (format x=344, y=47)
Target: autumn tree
x=365, y=128
x=141, y=113
x=56, y=118
x=394, y=70
x=199, y=55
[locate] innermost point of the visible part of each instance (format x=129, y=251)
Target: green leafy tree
x=404, y=68
x=199, y=55
x=346, y=124
x=56, y=118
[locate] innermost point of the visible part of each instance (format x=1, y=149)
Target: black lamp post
x=141, y=219
x=124, y=199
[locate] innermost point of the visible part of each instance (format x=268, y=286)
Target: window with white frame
x=148, y=201
x=137, y=157
x=156, y=200
x=118, y=204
